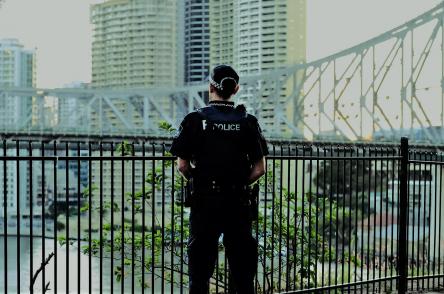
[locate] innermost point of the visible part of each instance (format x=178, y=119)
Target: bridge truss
x=383, y=88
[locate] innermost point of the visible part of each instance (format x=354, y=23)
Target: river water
x=25, y=257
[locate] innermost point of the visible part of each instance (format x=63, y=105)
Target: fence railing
x=107, y=216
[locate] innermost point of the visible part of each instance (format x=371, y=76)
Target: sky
x=61, y=33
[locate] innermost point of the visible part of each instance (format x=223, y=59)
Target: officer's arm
x=257, y=171
x=184, y=167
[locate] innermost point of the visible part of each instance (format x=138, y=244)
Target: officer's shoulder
x=240, y=108
x=251, y=118
x=193, y=116
x=198, y=111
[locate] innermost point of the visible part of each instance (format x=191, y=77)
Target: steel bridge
x=388, y=86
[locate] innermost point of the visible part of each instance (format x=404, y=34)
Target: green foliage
x=61, y=240
x=308, y=221
x=124, y=149
x=170, y=238
x=347, y=184
x=86, y=193
x=166, y=126
x=294, y=217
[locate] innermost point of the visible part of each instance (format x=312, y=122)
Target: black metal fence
x=106, y=216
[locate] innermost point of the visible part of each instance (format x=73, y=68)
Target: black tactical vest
x=222, y=154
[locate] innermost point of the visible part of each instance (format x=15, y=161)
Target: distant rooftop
x=10, y=42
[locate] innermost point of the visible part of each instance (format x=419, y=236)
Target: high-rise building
x=268, y=34
x=257, y=36
x=135, y=44
x=17, y=69
x=197, y=41
x=221, y=32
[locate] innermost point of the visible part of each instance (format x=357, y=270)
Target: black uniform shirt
x=215, y=148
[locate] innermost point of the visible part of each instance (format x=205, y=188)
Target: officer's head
x=224, y=81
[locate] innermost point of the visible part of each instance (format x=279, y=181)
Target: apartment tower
x=135, y=44
x=197, y=41
x=256, y=36
x=17, y=69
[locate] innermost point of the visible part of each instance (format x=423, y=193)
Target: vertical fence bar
x=357, y=187
x=310, y=199
x=163, y=223
x=337, y=217
x=386, y=169
x=369, y=263
x=440, y=217
x=181, y=233
x=273, y=200
x=31, y=239
x=280, y=220
x=264, y=263
x=173, y=226
x=402, y=259
x=143, y=217
x=101, y=218
x=90, y=210
x=67, y=214
x=324, y=197
x=133, y=204
x=374, y=218
x=316, y=217
x=343, y=192
x=435, y=215
x=55, y=165
x=424, y=219
x=112, y=217
x=78, y=218
x=350, y=201
x=43, y=213
x=381, y=186
x=364, y=164
x=5, y=215
x=153, y=219
x=17, y=169
x=122, y=222
x=330, y=233
x=303, y=217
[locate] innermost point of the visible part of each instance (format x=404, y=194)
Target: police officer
x=221, y=149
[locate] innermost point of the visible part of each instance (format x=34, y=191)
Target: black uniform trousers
x=210, y=217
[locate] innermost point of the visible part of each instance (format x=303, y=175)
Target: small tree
x=292, y=217
x=292, y=238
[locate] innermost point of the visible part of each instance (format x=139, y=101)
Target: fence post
x=403, y=209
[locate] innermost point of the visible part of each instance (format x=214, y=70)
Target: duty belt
x=215, y=187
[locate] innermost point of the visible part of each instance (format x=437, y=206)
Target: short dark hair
x=224, y=79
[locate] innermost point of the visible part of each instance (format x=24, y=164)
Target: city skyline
x=68, y=31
